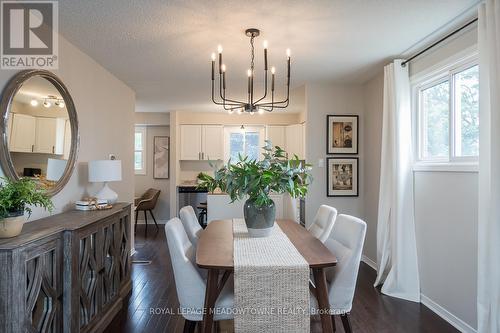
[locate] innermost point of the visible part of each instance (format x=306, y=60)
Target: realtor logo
x=29, y=33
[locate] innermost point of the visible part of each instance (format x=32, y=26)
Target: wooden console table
x=66, y=273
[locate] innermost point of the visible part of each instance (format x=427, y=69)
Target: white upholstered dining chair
x=346, y=242
x=191, y=225
x=323, y=222
x=189, y=281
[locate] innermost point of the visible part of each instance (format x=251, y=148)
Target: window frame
x=443, y=72
x=143, y=151
x=250, y=128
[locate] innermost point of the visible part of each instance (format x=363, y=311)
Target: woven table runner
x=271, y=283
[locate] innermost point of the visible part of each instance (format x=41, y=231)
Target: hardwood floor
x=152, y=304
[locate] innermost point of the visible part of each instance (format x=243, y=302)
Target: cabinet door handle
x=32, y=148
x=53, y=149
x=202, y=155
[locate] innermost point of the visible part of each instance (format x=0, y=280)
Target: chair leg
x=333, y=323
x=346, y=323
x=189, y=326
x=146, y=222
x=136, y=217
x=151, y=212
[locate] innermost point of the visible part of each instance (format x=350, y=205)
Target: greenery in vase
x=17, y=195
x=257, y=179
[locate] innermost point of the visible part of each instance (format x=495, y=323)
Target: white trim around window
x=140, y=150
x=445, y=73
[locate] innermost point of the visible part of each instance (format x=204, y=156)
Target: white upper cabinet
x=212, y=142
x=276, y=134
x=202, y=142
x=49, y=136
x=22, y=134
x=190, y=142
x=295, y=141
x=37, y=135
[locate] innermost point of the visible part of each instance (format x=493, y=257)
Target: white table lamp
x=105, y=171
x=55, y=169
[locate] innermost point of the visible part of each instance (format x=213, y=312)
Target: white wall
x=105, y=108
x=373, y=102
x=144, y=182
x=321, y=100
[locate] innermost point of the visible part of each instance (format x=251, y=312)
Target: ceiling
x=161, y=49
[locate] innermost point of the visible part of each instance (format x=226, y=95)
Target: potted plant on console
x=256, y=180
x=16, y=197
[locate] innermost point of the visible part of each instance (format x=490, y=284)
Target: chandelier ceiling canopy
x=252, y=104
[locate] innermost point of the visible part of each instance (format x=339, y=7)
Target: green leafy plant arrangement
x=17, y=195
x=257, y=179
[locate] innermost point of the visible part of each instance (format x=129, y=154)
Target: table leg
x=210, y=298
x=322, y=296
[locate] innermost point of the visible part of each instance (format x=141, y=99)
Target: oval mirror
x=39, y=128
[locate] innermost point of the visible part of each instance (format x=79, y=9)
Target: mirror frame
x=8, y=95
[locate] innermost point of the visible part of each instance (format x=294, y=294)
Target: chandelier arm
x=221, y=103
x=220, y=93
x=230, y=107
x=265, y=90
x=279, y=102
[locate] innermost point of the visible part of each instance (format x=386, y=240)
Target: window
x=246, y=141
x=140, y=150
x=448, y=114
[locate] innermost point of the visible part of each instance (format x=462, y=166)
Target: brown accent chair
x=146, y=202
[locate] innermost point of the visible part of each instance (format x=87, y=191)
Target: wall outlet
x=321, y=163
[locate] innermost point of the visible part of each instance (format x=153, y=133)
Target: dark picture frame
x=337, y=177
x=161, y=157
x=342, y=134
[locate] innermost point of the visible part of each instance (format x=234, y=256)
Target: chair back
x=346, y=242
x=191, y=224
x=189, y=283
x=323, y=222
x=148, y=199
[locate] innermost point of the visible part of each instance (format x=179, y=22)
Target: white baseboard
x=369, y=262
x=453, y=320
x=150, y=221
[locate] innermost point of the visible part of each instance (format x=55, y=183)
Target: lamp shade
x=105, y=171
x=55, y=169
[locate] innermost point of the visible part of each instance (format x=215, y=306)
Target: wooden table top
x=215, y=246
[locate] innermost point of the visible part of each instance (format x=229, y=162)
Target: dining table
x=215, y=253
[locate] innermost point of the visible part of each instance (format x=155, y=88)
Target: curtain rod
x=438, y=42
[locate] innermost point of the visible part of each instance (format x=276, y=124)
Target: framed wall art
x=342, y=177
x=342, y=134
x=161, y=168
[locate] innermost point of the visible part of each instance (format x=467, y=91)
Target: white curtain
x=488, y=298
x=396, y=244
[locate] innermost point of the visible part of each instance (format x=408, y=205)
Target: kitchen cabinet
x=190, y=142
x=276, y=134
x=295, y=141
x=37, y=134
x=289, y=137
x=212, y=142
x=49, y=136
x=22, y=136
x=201, y=142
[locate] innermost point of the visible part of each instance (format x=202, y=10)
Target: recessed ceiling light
x=34, y=102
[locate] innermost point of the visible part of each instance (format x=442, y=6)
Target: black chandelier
x=252, y=104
